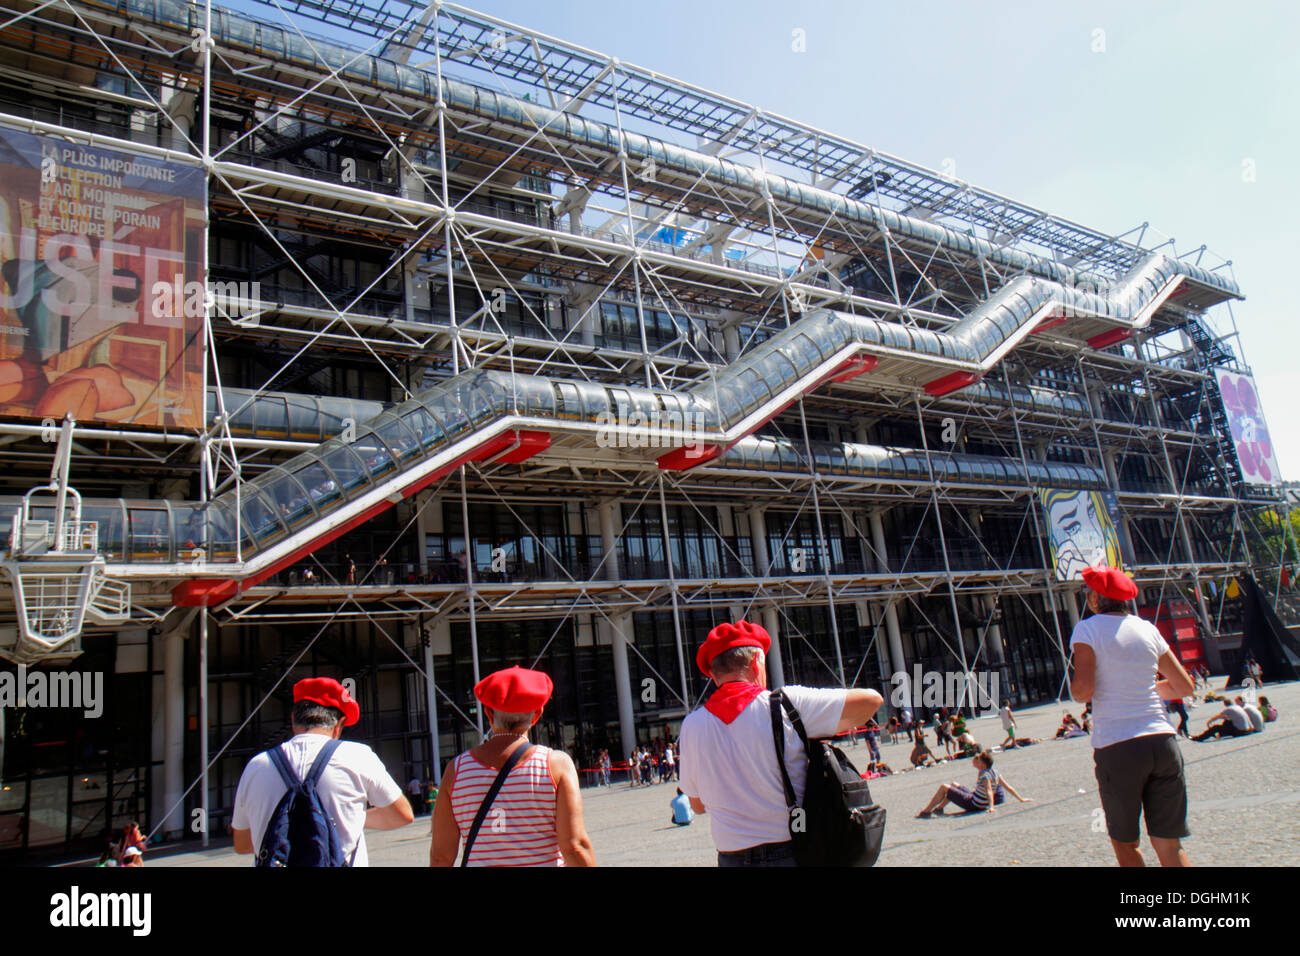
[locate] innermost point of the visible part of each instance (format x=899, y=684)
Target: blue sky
x=1155, y=128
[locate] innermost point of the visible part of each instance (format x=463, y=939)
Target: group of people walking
x=656, y=763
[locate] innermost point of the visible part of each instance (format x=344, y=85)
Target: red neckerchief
x=730, y=699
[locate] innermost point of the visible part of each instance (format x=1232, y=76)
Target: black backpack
x=300, y=831
x=838, y=824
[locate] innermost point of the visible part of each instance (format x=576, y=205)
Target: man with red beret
x=535, y=817
x=1116, y=662
x=727, y=755
x=354, y=777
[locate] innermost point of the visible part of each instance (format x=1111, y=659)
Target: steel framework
x=465, y=209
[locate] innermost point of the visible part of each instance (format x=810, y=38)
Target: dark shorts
x=1143, y=776
x=765, y=854
x=961, y=797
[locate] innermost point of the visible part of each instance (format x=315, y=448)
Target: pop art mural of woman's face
x=1081, y=531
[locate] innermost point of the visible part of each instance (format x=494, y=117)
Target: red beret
x=1110, y=582
x=726, y=636
x=515, y=690
x=329, y=693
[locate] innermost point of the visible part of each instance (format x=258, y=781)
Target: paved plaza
x=1245, y=806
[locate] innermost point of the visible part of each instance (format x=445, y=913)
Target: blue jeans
x=765, y=854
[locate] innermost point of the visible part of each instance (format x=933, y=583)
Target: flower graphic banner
x=1250, y=434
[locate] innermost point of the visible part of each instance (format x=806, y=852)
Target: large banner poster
x=101, y=284
x=1249, y=432
x=1083, y=530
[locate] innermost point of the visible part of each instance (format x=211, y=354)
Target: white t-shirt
x=1007, y=722
x=1256, y=718
x=1124, y=699
x=355, y=776
x=732, y=769
x=1240, y=719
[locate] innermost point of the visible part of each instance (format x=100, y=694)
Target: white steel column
x=431, y=706
x=993, y=633
x=892, y=631
x=771, y=617
x=775, y=665
x=1071, y=598
x=607, y=513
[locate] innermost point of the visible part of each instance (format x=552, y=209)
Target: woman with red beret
x=1116, y=662
x=535, y=818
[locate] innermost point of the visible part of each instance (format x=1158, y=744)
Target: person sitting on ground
x=1268, y=710
x=1253, y=712
x=1232, y=721
x=1085, y=724
x=682, y=812
x=921, y=755
x=1069, y=728
x=968, y=746
x=877, y=768
x=988, y=792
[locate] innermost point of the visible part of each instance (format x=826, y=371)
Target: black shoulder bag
x=838, y=824
x=511, y=762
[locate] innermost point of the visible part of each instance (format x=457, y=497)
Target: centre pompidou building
x=391, y=342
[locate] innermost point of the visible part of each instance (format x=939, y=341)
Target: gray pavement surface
x=1244, y=806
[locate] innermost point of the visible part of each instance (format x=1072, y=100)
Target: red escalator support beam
x=527, y=444
x=207, y=592
x=1109, y=338
x=950, y=383
x=858, y=365
x=688, y=456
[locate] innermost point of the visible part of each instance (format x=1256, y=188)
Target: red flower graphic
x=1249, y=433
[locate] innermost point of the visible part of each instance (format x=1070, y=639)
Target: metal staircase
x=52, y=561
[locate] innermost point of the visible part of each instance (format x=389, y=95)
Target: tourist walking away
x=727, y=747
x=1179, y=708
x=873, y=737
x=346, y=777
x=990, y=789
x=1008, y=724
x=511, y=802
x=1116, y=662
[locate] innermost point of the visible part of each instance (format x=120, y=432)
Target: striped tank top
x=519, y=829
